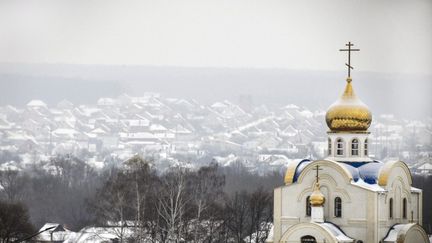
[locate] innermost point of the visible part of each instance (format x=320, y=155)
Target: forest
x=211, y=204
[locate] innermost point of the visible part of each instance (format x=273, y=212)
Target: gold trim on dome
x=317, y=198
x=290, y=172
x=348, y=113
x=387, y=168
x=350, y=132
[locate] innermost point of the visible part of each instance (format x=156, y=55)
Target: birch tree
x=172, y=201
x=207, y=184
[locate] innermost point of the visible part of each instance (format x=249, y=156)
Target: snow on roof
x=36, y=103
x=90, y=135
x=129, y=223
x=12, y=109
x=141, y=122
x=393, y=233
x=157, y=127
x=255, y=123
x=364, y=174
x=65, y=131
x=226, y=161
x=21, y=136
x=98, y=234
x=11, y=165
x=218, y=105
x=181, y=129
x=367, y=171
x=88, y=109
x=291, y=106
x=415, y=190
x=49, y=225
x=134, y=142
x=4, y=123
x=95, y=164
x=373, y=187
x=306, y=113
x=337, y=232
x=165, y=135
x=137, y=135
x=106, y=101
x=57, y=233
x=425, y=166
x=98, y=131
x=290, y=130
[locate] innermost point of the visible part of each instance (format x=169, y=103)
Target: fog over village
x=84, y=150
x=174, y=130
x=205, y=121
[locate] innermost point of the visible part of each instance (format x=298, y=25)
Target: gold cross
x=317, y=168
x=349, y=50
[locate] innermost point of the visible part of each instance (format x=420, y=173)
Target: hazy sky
x=393, y=35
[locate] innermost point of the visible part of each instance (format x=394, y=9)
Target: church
x=348, y=196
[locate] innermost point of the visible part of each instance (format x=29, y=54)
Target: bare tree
x=111, y=204
x=237, y=215
x=142, y=180
x=14, y=222
x=260, y=207
x=13, y=183
x=172, y=202
x=207, y=184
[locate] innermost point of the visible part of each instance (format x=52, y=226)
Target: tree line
x=210, y=204
x=179, y=205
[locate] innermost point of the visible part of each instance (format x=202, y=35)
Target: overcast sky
x=393, y=35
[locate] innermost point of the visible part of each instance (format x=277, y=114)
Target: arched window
x=366, y=147
x=391, y=208
x=329, y=147
x=308, y=206
x=338, y=207
x=339, y=147
x=404, y=208
x=307, y=239
x=355, y=147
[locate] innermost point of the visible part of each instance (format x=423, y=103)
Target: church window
x=338, y=207
x=366, y=147
x=391, y=208
x=404, y=208
x=307, y=239
x=355, y=147
x=308, y=206
x=339, y=147
x=329, y=147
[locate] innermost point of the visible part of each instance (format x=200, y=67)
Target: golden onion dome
x=348, y=113
x=317, y=198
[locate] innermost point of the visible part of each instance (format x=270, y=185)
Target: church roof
x=366, y=171
x=337, y=232
x=405, y=233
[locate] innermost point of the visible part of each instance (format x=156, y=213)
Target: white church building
x=348, y=197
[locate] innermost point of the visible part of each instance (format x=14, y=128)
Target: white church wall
x=347, y=154
x=356, y=213
x=398, y=187
x=365, y=211
x=333, y=184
